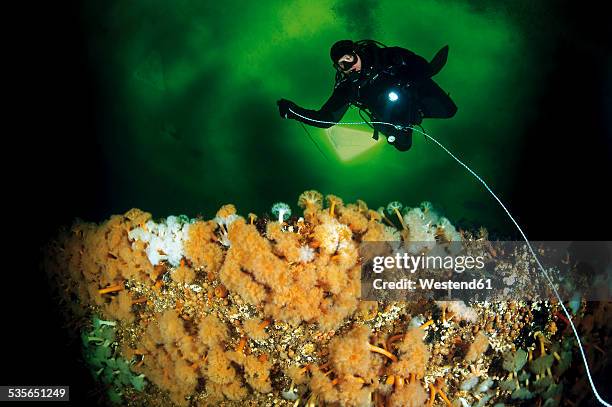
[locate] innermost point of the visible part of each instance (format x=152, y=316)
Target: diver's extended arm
x=331, y=111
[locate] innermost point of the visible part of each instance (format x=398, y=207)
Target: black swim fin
x=439, y=60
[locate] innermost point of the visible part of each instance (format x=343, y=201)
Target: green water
x=188, y=119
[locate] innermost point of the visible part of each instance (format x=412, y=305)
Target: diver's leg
x=434, y=102
x=403, y=139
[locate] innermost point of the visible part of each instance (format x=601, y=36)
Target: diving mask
x=346, y=65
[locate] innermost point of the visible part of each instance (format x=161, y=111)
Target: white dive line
x=567, y=314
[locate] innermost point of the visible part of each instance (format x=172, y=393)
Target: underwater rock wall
x=266, y=311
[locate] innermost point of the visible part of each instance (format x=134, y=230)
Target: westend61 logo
x=484, y=270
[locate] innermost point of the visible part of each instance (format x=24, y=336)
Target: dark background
x=53, y=143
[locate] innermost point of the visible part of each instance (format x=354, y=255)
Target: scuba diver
x=388, y=84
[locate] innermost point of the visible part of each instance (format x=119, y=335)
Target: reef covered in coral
x=266, y=311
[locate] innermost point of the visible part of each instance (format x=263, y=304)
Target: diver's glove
x=283, y=108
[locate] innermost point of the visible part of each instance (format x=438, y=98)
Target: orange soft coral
x=345, y=391
x=323, y=388
x=256, y=370
x=295, y=304
x=186, y=379
x=413, y=355
x=350, y=354
x=212, y=332
x=254, y=253
x=219, y=368
x=409, y=395
x=183, y=274
x=220, y=371
x=242, y=283
x=235, y=391
x=120, y=307
x=286, y=244
x=201, y=247
x=336, y=308
x=226, y=210
x=171, y=326
x=137, y=217
x=169, y=357
x=477, y=348
x=296, y=374
x=255, y=328
x=353, y=216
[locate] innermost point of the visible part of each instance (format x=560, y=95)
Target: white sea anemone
x=164, y=240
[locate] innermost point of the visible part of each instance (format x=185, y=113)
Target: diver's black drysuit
x=385, y=71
